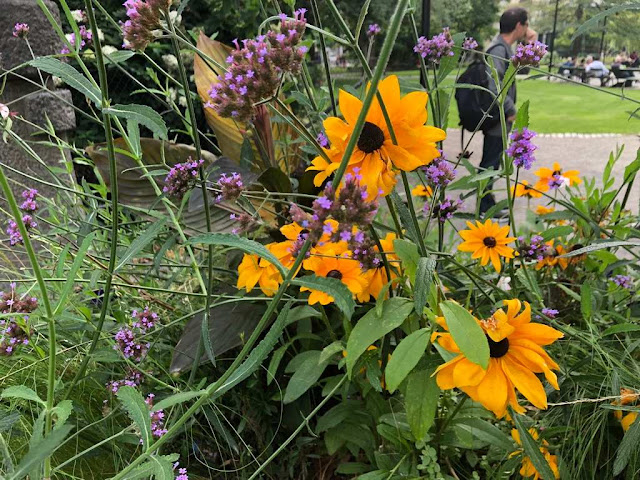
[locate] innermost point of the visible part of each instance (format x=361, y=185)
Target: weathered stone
x=57, y=107
x=42, y=38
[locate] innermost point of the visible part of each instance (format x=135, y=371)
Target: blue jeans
x=491, y=152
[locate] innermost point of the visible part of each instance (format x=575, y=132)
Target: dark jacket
x=501, y=54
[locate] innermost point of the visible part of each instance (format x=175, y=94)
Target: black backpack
x=473, y=103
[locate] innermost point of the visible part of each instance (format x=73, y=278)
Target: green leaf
x=342, y=296
x=627, y=447
x=424, y=278
x=447, y=64
x=372, y=327
x=408, y=253
x=138, y=411
x=142, y=114
x=71, y=275
x=528, y=279
x=586, y=299
x=622, y=328
x=600, y=246
x=484, y=431
x=163, y=468
x=421, y=401
x=556, y=232
x=149, y=235
x=274, y=363
x=258, y=354
x=61, y=412
x=36, y=456
x=241, y=243
x=305, y=375
x=405, y=357
x=118, y=57
x=20, y=391
x=631, y=170
x=70, y=76
x=532, y=450
x=405, y=216
x=466, y=332
x=363, y=14
x=522, y=117
x=176, y=399
x=330, y=350
x=7, y=419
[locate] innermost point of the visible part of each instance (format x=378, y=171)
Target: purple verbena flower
x=439, y=172
x=529, y=54
x=182, y=177
x=21, y=30
x=144, y=18
x=534, y=249
x=29, y=204
x=437, y=47
x=322, y=140
x=12, y=335
x=230, y=186
x=550, y=312
x=469, y=43
x=133, y=378
x=444, y=211
x=373, y=30
x=623, y=281
x=521, y=149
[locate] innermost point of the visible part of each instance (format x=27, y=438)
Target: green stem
x=385, y=54
x=323, y=46
x=113, y=174
x=205, y=194
x=214, y=387
x=412, y=211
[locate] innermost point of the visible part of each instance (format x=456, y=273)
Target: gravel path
x=586, y=153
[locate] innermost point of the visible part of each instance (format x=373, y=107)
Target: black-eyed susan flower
x=376, y=278
x=376, y=156
x=556, y=177
x=254, y=271
x=333, y=261
x=422, y=191
x=516, y=356
x=627, y=397
x=524, y=189
x=487, y=241
x=542, y=210
x=528, y=470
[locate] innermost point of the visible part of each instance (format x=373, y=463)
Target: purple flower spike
x=437, y=47
x=521, y=149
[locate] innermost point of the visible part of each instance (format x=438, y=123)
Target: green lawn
x=559, y=107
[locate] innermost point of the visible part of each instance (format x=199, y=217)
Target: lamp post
x=553, y=37
x=424, y=30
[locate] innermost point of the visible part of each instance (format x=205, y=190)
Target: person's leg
x=491, y=151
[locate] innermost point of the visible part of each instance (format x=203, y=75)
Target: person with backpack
x=473, y=104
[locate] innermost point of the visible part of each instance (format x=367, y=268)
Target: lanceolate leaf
x=342, y=296
x=522, y=117
x=532, y=450
x=36, y=456
x=242, y=243
x=176, y=399
x=405, y=357
x=371, y=327
x=138, y=411
x=20, y=391
x=71, y=275
x=149, y=235
x=70, y=76
x=600, y=246
x=305, y=376
x=627, y=447
x=142, y=114
x=421, y=401
x=466, y=332
x=424, y=278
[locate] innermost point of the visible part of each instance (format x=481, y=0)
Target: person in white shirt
x=594, y=69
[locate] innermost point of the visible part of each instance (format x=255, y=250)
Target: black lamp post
x=424, y=30
x=553, y=36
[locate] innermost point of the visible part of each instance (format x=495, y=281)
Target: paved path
x=586, y=153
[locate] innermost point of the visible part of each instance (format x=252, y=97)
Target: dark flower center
x=489, y=242
x=498, y=349
x=335, y=274
x=556, y=172
x=371, y=138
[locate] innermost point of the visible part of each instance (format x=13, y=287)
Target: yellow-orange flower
x=627, y=397
x=542, y=210
x=552, y=260
x=487, y=241
x=516, y=355
x=376, y=278
x=523, y=189
x=422, y=191
x=254, y=271
x=546, y=175
x=376, y=155
x=528, y=470
x=333, y=262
